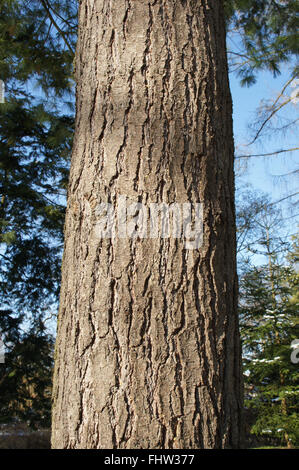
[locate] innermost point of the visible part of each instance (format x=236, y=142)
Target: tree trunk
x=147, y=352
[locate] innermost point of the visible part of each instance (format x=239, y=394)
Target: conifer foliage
x=268, y=32
x=36, y=128
x=269, y=325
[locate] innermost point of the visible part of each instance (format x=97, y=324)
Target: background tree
x=36, y=130
x=267, y=36
x=35, y=142
x=262, y=36
x=268, y=312
x=26, y=375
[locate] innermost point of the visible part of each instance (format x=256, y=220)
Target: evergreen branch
x=52, y=19
x=67, y=22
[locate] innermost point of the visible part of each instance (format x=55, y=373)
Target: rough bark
x=147, y=352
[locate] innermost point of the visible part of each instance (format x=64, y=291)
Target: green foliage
x=269, y=323
x=268, y=31
x=25, y=377
x=31, y=46
x=36, y=130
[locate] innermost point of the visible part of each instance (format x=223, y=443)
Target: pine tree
x=36, y=130
x=35, y=142
x=269, y=324
x=268, y=33
x=26, y=374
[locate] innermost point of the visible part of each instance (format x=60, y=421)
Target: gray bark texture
x=147, y=352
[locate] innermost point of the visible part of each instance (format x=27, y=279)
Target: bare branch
x=267, y=154
x=274, y=111
x=284, y=198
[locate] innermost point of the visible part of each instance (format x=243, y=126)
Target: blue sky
x=262, y=172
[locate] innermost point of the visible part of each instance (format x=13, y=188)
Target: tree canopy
x=268, y=36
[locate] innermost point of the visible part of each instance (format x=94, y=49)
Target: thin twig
x=267, y=154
